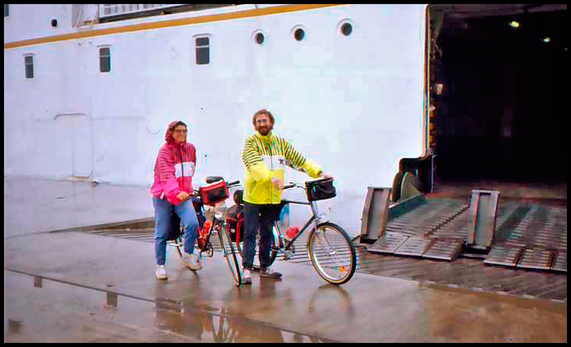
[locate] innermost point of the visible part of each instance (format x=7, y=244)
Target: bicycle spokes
x=332, y=254
x=325, y=243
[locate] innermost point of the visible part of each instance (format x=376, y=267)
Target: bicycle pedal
x=288, y=255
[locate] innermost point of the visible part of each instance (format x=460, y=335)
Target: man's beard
x=265, y=130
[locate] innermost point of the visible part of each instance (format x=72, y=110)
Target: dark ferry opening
x=498, y=99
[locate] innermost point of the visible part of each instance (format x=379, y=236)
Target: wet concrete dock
x=74, y=286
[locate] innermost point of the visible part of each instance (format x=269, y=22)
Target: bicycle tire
x=179, y=246
x=274, y=248
x=338, y=269
x=229, y=254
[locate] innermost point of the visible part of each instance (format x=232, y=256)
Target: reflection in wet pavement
x=221, y=327
x=113, y=296
x=112, y=299
x=37, y=282
x=461, y=315
x=14, y=326
x=68, y=313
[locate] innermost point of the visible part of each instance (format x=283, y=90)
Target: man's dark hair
x=263, y=111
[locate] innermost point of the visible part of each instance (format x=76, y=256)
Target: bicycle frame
x=321, y=250
x=218, y=226
x=315, y=219
x=217, y=221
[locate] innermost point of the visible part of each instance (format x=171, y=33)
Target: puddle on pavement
x=207, y=327
x=463, y=315
x=515, y=300
x=14, y=326
x=41, y=309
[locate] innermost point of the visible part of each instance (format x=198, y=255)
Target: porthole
x=299, y=34
x=346, y=29
x=260, y=38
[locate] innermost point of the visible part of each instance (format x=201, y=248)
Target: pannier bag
x=320, y=189
x=213, y=193
x=175, y=228
x=235, y=222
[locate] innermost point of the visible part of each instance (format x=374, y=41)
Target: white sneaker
x=191, y=262
x=161, y=272
x=267, y=272
x=246, y=277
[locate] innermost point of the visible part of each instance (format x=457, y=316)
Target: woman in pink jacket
x=171, y=191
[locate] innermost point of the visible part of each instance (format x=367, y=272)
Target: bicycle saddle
x=212, y=179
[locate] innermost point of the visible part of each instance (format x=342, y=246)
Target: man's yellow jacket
x=266, y=157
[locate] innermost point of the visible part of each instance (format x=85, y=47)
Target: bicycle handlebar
x=195, y=191
x=292, y=185
x=234, y=183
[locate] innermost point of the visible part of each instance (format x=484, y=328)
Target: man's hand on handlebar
x=324, y=175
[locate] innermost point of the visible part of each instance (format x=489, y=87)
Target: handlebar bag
x=320, y=189
x=214, y=193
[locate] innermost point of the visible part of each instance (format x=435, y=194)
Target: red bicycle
x=216, y=191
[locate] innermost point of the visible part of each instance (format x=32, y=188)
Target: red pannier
x=235, y=222
x=214, y=193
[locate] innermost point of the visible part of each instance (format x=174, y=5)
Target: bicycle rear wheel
x=332, y=253
x=229, y=253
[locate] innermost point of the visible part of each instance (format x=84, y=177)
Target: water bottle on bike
x=292, y=232
x=203, y=234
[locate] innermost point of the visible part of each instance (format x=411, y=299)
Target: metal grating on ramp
x=435, y=248
x=458, y=227
x=527, y=257
x=560, y=262
x=545, y=227
x=455, y=228
x=408, y=233
x=505, y=211
x=389, y=243
x=535, y=259
x=446, y=249
x=504, y=255
x=413, y=246
x=426, y=218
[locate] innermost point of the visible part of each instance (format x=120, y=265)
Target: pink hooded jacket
x=174, y=168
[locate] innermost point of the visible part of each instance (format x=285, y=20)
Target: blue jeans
x=258, y=217
x=163, y=211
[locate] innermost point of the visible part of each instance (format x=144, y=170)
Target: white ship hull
x=354, y=104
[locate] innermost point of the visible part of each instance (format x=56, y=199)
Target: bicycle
x=329, y=247
x=207, y=228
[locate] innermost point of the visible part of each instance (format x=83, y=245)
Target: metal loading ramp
x=537, y=240
x=411, y=232
x=525, y=236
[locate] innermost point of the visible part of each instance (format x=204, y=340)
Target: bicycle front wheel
x=332, y=253
x=229, y=254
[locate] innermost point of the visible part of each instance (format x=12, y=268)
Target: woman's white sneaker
x=161, y=272
x=191, y=262
x=246, y=277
